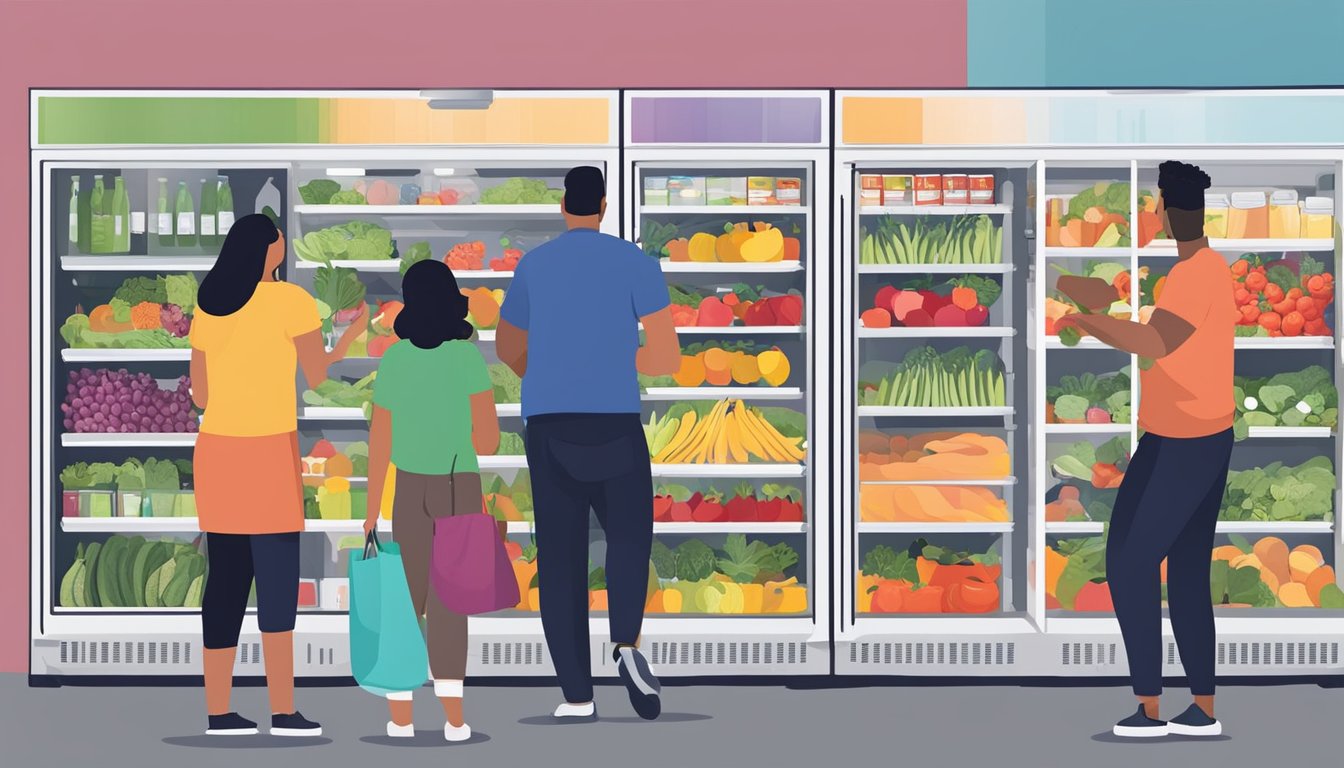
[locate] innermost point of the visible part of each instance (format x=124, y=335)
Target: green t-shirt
x=429, y=394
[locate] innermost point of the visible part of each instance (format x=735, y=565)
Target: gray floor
x=704, y=726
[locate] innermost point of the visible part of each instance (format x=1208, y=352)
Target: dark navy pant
x=580, y=462
x=1167, y=507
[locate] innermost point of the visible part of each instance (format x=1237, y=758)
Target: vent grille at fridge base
x=1233, y=654
x=513, y=654
x=141, y=653
x=1088, y=654
x=934, y=654
x=723, y=654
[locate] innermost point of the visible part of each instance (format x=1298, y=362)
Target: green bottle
x=225, y=205
x=121, y=218
x=163, y=219
x=73, y=230
x=185, y=211
x=209, y=219
x=84, y=212
x=100, y=233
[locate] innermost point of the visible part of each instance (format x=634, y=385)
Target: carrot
x=1256, y=282
x=1292, y=323
x=1270, y=321
x=1285, y=306
x=964, y=298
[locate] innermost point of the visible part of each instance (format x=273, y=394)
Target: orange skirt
x=248, y=484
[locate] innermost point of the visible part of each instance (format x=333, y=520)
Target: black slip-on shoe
x=1195, y=722
x=640, y=681
x=1140, y=726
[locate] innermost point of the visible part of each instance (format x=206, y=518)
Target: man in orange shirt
x=1167, y=506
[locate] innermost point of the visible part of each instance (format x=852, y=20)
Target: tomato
x=1242, y=296
x=1292, y=323
x=1315, y=283
x=1256, y=282
x=1295, y=294
x=1273, y=293
x=1249, y=314
x=1240, y=267
x=1270, y=321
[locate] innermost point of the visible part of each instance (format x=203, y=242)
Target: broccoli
x=695, y=561
x=882, y=561
x=664, y=561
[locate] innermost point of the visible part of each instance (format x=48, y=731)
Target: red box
x=929, y=189
x=982, y=189
x=956, y=189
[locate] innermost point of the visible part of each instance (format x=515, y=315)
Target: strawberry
x=744, y=506
x=710, y=510
x=662, y=507
x=769, y=510
x=680, y=512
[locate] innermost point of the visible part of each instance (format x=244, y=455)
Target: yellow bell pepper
x=702, y=247
x=753, y=598
x=671, y=601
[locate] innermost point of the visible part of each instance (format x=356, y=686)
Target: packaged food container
x=1248, y=218
x=96, y=503
x=718, y=191
x=898, y=189
x=335, y=595
x=789, y=191
x=1285, y=217
x=307, y=593
x=929, y=189
x=655, y=190
x=870, y=190
x=1054, y=211
x=1215, y=215
x=761, y=190
x=686, y=190
x=129, y=503
x=982, y=188
x=1318, y=218
x=456, y=190
x=70, y=504
x=429, y=192
x=410, y=194
x=737, y=190
x=956, y=189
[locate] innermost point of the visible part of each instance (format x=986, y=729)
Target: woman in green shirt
x=433, y=411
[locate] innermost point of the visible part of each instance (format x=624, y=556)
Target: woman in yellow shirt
x=249, y=335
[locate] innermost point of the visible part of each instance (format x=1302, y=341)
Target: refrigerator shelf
x=1002, y=482
x=431, y=211
x=1159, y=249
x=1087, y=429
x=729, y=268
x=986, y=332
x=934, y=210
x=887, y=411
x=1243, y=342
x=725, y=210
x=934, y=269
x=482, y=274
x=676, y=394
x=743, y=471
x=969, y=527
x=125, y=355
x=1224, y=526
x=363, y=265
x=312, y=413
x=743, y=330
x=128, y=440
x=1290, y=433
x=137, y=263
x=1087, y=253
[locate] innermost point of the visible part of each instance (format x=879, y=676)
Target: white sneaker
x=456, y=732
x=395, y=731
x=568, y=710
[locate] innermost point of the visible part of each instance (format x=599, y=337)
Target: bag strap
x=371, y=545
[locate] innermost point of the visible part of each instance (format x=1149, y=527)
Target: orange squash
x=597, y=600
x=103, y=320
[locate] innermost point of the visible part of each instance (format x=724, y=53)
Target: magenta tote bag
x=470, y=568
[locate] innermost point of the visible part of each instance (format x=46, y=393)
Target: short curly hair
x=1183, y=186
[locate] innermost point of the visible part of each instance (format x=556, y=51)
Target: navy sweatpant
x=578, y=462
x=1167, y=507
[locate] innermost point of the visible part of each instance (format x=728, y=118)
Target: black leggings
x=1168, y=507
x=235, y=560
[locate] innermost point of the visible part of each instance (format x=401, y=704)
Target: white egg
x=1251, y=403
x=1303, y=408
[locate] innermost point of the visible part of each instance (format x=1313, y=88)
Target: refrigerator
x=1074, y=184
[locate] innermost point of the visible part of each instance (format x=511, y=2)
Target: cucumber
x=176, y=592
x=91, y=556
x=195, y=592
x=138, y=573
x=76, y=572
x=125, y=583
x=109, y=594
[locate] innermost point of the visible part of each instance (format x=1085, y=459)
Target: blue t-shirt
x=580, y=297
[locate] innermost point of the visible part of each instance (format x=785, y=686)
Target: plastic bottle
x=185, y=217
x=164, y=216
x=209, y=218
x=74, y=214
x=121, y=218
x=268, y=201
x=99, y=234
x=225, y=204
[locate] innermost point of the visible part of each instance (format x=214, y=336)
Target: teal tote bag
x=387, y=648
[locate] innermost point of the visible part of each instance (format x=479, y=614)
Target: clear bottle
x=209, y=218
x=99, y=234
x=225, y=204
x=268, y=201
x=164, y=216
x=84, y=212
x=74, y=215
x=185, y=217
x=121, y=218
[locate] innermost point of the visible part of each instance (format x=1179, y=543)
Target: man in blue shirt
x=569, y=328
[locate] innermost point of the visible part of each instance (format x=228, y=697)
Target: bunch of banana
x=731, y=433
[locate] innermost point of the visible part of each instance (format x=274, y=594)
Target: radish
x=918, y=318
x=903, y=303
x=1098, y=416
x=977, y=316
x=884, y=296
x=950, y=316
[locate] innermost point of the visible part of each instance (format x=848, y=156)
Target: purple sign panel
x=725, y=120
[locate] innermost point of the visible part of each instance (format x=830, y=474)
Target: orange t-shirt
x=1188, y=393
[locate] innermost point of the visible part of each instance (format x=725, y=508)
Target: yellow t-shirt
x=251, y=362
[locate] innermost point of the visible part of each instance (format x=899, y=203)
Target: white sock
x=401, y=696
x=575, y=710
x=448, y=689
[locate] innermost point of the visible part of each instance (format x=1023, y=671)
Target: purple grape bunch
x=105, y=401
x=174, y=321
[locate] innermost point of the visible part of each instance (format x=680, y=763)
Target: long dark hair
x=240, y=266
x=435, y=310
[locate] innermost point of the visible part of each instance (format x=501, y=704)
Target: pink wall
x=410, y=44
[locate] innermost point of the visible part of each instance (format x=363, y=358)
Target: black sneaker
x=1140, y=726
x=639, y=681
x=1195, y=722
x=232, y=724
x=294, y=725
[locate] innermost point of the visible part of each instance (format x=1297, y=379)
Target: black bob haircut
x=1183, y=186
x=584, y=189
x=435, y=310
x=242, y=261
